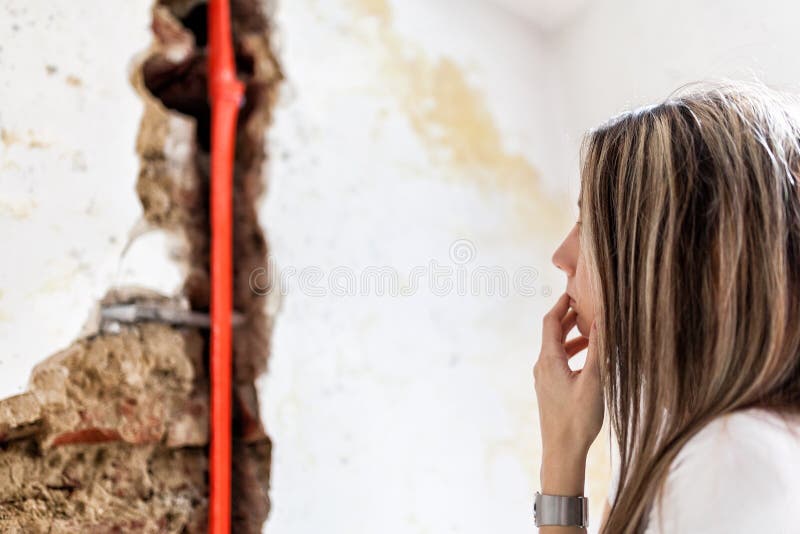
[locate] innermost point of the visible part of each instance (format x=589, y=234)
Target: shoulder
x=755, y=433
x=741, y=473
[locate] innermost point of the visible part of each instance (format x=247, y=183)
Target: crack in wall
x=112, y=434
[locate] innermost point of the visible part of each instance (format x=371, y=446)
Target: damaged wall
x=403, y=130
x=112, y=433
x=109, y=438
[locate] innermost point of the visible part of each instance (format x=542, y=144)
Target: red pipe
x=225, y=92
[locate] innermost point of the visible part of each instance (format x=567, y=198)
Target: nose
x=562, y=258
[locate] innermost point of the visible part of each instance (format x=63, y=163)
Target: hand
x=571, y=407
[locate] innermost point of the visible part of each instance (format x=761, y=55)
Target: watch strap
x=560, y=510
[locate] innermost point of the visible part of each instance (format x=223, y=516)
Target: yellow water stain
x=374, y=8
x=38, y=143
x=8, y=137
x=35, y=142
x=454, y=123
x=56, y=284
x=73, y=80
x=18, y=210
x=11, y=138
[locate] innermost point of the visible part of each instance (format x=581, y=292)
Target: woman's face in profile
x=567, y=257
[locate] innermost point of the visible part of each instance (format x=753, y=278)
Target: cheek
x=583, y=325
x=583, y=287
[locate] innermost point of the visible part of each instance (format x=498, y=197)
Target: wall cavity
x=112, y=433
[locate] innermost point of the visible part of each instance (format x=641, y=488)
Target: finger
x=561, y=306
x=567, y=323
x=574, y=346
x=551, y=324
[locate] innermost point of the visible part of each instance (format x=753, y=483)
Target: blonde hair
x=691, y=228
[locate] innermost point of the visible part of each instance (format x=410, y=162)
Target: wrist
x=563, y=472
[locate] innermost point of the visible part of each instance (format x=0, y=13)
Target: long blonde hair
x=691, y=229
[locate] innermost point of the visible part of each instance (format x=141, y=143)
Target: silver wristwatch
x=559, y=510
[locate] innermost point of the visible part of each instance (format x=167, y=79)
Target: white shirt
x=740, y=473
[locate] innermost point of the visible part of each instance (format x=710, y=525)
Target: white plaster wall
x=622, y=53
x=68, y=124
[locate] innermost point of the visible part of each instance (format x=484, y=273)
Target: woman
x=683, y=278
